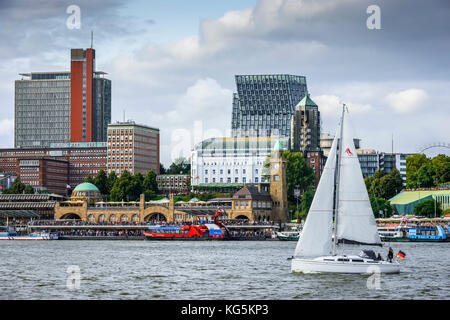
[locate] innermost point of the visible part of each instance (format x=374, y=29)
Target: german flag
x=401, y=254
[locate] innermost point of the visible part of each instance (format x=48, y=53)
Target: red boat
x=208, y=227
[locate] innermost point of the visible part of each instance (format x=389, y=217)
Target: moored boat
x=397, y=233
x=288, y=235
x=11, y=235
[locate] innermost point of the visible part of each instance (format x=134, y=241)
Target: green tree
x=112, y=177
x=306, y=199
x=428, y=208
x=297, y=173
x=391, y=184
x=120, y=190
x=181, y=165
x=149, y=183
x=413, y=164
x=425, y=176
x=379, y=204
x=136, y=187
x=101, y=181
x=28, y=189
x=16, y=188
x=162, y=170
x=441, y=165
x=89, y=179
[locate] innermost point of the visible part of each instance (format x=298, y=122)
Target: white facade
x=231, y=160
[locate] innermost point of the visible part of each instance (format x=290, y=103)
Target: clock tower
x=278, y=189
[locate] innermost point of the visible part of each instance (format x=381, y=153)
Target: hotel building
x=232, y=160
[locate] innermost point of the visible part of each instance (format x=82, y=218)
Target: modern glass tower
x=263, y=104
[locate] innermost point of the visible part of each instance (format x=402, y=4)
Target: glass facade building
x=263, y=104
x=42, y=109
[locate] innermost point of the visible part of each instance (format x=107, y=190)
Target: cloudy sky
x=172, y=63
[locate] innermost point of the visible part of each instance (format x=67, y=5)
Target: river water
x=210, y=270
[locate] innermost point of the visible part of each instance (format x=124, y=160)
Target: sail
x=356, y=222
x=315, y=238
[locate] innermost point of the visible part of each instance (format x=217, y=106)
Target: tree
x=441, y=164
x=162, y=170
x=110, y=182
x=297, y=173
x=16, y=188
x=391, y=184
x=413, y=164
x=425, y=176
x=181, y=165
x=306, y=199
x=121, y=188
x=89, y=179
x=101, y=181
x=28, y=189
x=381, y=204
x=135, y=188
x=427, y=208
x=149, y=183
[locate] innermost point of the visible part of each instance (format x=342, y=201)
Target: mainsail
x=315, y=238
x=356, y=222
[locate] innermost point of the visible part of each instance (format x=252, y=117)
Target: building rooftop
x=86, y=186
x=251, y=192
x=306, y=102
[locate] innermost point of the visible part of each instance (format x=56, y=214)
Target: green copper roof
x=86, y=186
x=278, y=146
x=306, y=101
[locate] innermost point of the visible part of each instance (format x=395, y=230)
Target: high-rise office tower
x=305, y=126
x=42, y=109
x=62, y=107
x=263, y=104
x=90, y=98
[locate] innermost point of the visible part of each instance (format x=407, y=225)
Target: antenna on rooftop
x=92, y=38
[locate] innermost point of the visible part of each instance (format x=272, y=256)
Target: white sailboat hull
x=331, y=264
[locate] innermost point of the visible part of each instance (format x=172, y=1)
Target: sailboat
x=340, y=213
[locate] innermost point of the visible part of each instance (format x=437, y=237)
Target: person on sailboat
x=379, y=258
x=390, y=254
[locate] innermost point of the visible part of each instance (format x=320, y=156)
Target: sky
x=172, y=63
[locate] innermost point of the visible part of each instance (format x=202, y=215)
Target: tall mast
x=338, y=171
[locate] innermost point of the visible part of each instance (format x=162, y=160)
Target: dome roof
x=86, y=186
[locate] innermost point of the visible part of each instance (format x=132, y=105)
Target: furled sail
x=316, y=236
x=356, y=222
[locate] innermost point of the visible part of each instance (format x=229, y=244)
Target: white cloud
x=331, y=105
x=407, y=101
x=203, y=111
x=7, y=127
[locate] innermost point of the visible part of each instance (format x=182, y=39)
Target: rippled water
x=204, y=270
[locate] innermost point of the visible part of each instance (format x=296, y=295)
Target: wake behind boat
x=340, y=210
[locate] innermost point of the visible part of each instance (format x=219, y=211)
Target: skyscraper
x=42, y=109
x=90, y=98
x=305, y=126
x=62, y=107
x=263, y=104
